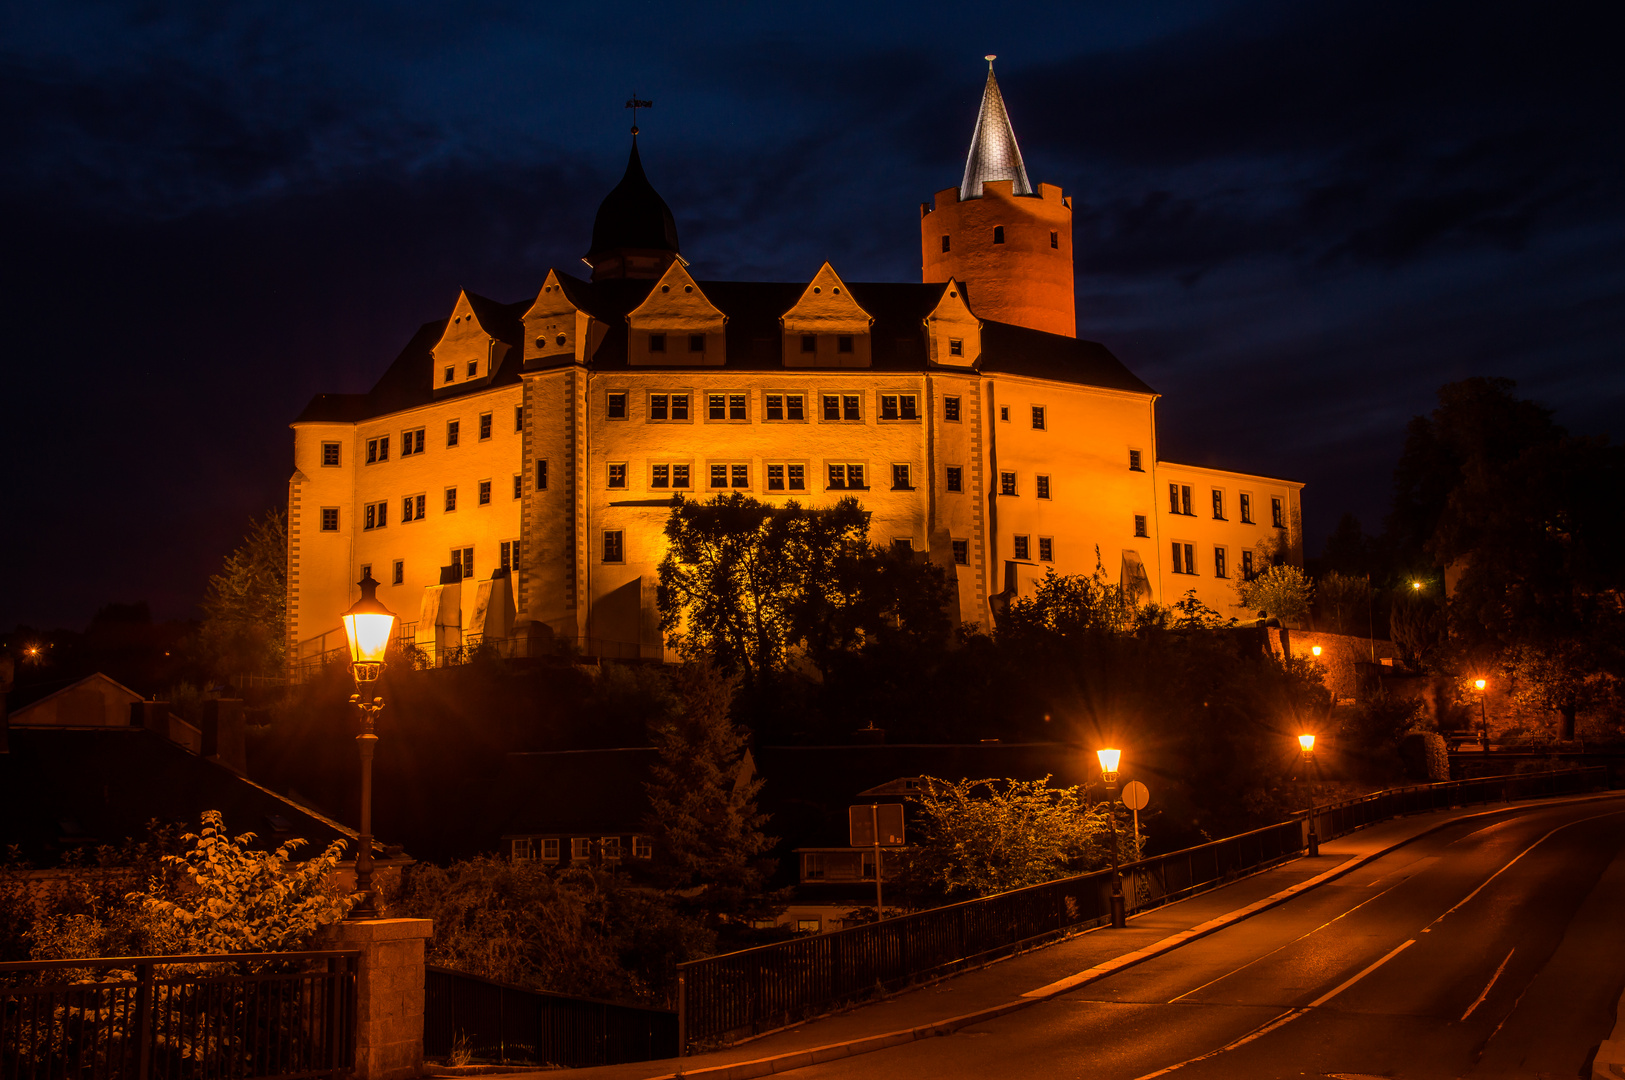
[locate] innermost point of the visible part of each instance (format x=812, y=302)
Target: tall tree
x=245, y=610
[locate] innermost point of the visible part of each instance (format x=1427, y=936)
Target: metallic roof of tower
x=994, y=154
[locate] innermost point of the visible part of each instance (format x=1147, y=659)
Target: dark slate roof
x=65, y=786
x=633, y=215
x=753, y=342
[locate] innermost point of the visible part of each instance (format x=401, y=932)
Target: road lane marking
x=1515, y=858
x=1294, y=941
x=1324, y=998
x=1487, y=986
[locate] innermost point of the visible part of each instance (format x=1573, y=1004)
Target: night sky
x=1294, y=220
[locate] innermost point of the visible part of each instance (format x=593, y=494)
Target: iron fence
x=496, y=1021
x=747, y=992
x=246, y=1016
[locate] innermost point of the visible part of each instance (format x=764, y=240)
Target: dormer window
x=451, y=374
x=657, y=343
x=809, y=343
x=956, y=347
x=843, y=343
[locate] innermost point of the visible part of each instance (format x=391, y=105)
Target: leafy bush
x=1283, y=591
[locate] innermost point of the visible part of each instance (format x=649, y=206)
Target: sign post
x=871, y=825
x=1135, y=796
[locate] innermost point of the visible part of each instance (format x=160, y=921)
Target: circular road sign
x=1136, y=795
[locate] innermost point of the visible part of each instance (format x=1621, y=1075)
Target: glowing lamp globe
x=1108, y=763
x=1315, y=649
x=1307, y=742
x=1478, y=684
x=1416, y=586
x=368, y=625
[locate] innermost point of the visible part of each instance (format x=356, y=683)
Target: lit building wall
x=1216, y=527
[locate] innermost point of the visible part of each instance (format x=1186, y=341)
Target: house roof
x=633, y=216
x=753, y=341
x=21, y=703
x=64, y=787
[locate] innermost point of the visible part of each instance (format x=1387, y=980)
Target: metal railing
x=244, y=1016
x=506, y=1023
x=754, y=990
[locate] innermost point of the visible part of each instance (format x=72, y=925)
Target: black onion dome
x=633, y=216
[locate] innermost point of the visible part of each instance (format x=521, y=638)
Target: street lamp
x=1483, y=717
x=1416, y=586
x=1108, y=772
x=1315, y=649
x=368, y=625
x=1306, y=743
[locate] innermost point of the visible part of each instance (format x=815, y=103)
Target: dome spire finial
x=635, y=104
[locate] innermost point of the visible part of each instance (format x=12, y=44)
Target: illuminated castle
x=532, y=449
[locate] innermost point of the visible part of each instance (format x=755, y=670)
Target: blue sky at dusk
x=1295, y=221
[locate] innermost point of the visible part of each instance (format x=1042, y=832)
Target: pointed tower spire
x=994, y=154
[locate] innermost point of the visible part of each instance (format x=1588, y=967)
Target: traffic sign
x=1136, y=795
x=863, y=819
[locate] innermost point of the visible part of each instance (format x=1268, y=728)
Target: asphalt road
x=1492, y=948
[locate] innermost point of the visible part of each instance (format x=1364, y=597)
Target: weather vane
x=635, y=104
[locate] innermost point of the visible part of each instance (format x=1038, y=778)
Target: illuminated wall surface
x=549, y=435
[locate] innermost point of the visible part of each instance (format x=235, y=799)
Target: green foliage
x=1344, y=603
x=1283, y=591
x=1425, y=756
x=703, y=820
x=1377, y=723
x=245, y=609
x=229, y=898
x=1073, y=606
x=980, y=837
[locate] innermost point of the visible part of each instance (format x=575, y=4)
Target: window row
x=414, y=440
x=583, y=849
x=1182, y=560
x=1180, y=502
x=732, y=475
x=462, y=557
x=734, y=406
x=998, y=238
x=375, y=515
x=1009, y=485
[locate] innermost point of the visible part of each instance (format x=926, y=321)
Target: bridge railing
x=744, y=993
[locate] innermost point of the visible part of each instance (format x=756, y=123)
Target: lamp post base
x=1119, y=913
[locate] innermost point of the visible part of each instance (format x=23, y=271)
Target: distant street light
x=368, y=625
x=1108, y=772
x=1416, y=586
x=1483, y=717
x=1315, y=649
x=1306, y=743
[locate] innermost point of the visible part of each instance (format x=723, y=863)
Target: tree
x=1283, y=591
x=1072, y=605
x=703, y=820
x=1345, y=602
x=245, y=623
x=990, y=836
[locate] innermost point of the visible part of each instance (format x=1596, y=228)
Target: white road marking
x=1515, y=858
x=1324, y=998
x=1487, y=985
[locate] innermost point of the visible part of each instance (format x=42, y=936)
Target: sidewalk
x=980, y=995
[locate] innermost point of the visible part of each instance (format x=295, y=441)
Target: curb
x=1610, y=1055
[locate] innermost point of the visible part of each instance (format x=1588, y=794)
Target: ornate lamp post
x=1483, y=717
x=1108, y=772
x=1306, y=743
x=368, y=624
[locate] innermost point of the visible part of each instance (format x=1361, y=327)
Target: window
x=1038, y=418
x=944, y=243
x=330, y=453
x=642, y=848
x=366, y=571
x=398, y=575
x=518, y=485
x=1221, y=566
x=679, y=406
x=1054, y=239
x=815, y=924
x=376, y=516
x=669, y=475
x=900, y=479
x=612, y=844
x=485, y=493
x=899, y=407
x=614, y=551
x=657, y=406
x=962, y=552
x=412, y=507
x=550, y=849
x=843, y=343
x=950, y=409
x=1021, y=547
x=485, y=426
x=902, y=545
x=998, y=234
x=617, y=474
x=510, y=555
x=1007, y=483
x=716, y=407
x=1218, y=507
x=851, y=407
x=1134, y=461
x=730, y=475
x=412, y=442
x=519, y=418
x=1046, y=549
x=1139, y=525
x=787, y=477
x=668, y=406
x=1277, y=513
x=615, y=405
x=956, y=346
x=739, y=476
x=1246, y=508
x=832, y=407
x=1179, y=499
x=784, y=407
x=1247, y=566
x=541, y=476
x=737, y=407
x=451, y=499
x=452, y=429
x=696, y=343
x=463, y=559
x=473, y=368
x=330, y=519
x=1184, y=558
x=846, y=476
x=956, y=478
x=657, y=343
x=1004, y=413
x=809, y=343
x=1041, y=487
x=581, y=846
x=378, y=449
x=450, y=374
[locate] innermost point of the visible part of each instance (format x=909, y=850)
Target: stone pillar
x=389, y=993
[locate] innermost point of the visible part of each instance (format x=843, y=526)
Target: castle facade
x=512, y=472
